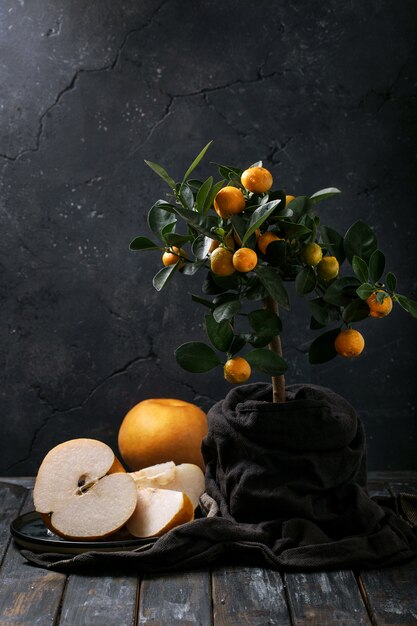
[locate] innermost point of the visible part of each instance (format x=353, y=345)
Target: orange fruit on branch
x=245, y=260
x=265, y=239
x=237, y=370
x=229, y=201
x=312, y=254
x=257, y=179
x=328, y=268
x=221, y=262
x=349, y=343
x=289, y=199
x=162, y=429
x=379, y=309
x=172, y=256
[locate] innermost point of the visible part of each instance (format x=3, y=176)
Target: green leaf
x=298, y=206
x=203, y=193
x=259, y=340
x=172, y=239
x=227, y=310
x=197, y=160
x=237, y=344
x=275, y=252
x=408, y=305
x=161, y=279
x=323, y=312
x=323, y=194
x=342, y=291
x=219, y=333
x=365, y=290
x=225, y=170
x=315, y=325
x=254, y=289
x=210, y=196
x=322, y=349
x=272, y=281
x=143, y=243
x=391, y=281
x=191, y=268
x=201, y=246
x=162, y=173
x=159, y=218
x=265, y=321
x=305, y=281
x=266, y=361
x=293, y=230
x=196, y=357
x=186, y=196
x=202, y=224
x=376, y=266
x=355, y=311
x=334, y=242
x=194, y=183
x=360, y=268
x=202, y=301
x=257, y=164
x=360, y=239
x=258, y=217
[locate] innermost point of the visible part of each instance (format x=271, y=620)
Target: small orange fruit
x=229, y=201
x=172, y=256
x=312, y=254
x=379, y=309
x=221, y=262
x=289, y=199
x=349, y=343
x=265, y=239
x=245, y=260
x=257, y=179
x=328, y=268
x=237, y=370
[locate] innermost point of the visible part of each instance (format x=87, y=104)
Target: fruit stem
x=278, y=382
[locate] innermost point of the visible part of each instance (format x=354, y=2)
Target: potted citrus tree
x=248, y=240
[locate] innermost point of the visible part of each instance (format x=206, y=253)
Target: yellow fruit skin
x=376, y=309
x=349, y=343
x=245, y=260
x=229, y=201
x=328, y=268
x=312, y=254
x=289, y=199
x=162, y=429
x=221, y=262
x=237, y=370
x=257, y=179
x=265, y=239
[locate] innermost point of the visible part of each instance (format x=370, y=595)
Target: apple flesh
x=82, y=491
x=158, y=511
x=186, y=478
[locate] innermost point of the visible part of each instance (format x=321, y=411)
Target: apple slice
x=185, y=477
x=82, y=491
x=159, y=510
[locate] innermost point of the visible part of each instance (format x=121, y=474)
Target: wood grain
x=176, y=600
x=99, y=600
x=325, y=599
x=12, y=498
x=28, y=595
x=244, y=596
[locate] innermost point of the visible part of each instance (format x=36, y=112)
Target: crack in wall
x=55, y=410
x=72, y=83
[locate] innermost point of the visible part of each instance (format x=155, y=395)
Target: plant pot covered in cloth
x=285, y=488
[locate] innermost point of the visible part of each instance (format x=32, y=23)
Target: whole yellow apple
x=162, y=429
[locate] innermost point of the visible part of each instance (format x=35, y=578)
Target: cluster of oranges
x=225, y=260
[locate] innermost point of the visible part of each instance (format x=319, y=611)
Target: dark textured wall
x=323, y=92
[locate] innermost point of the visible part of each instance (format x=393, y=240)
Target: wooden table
x=232, y=596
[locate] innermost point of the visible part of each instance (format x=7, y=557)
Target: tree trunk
x=278, y=382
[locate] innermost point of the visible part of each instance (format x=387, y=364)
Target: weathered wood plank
x=12, y=498
x=325, y=598
x=95, y=600
x=176, y=600
x=391, y=594
x=28, y=595
x=248, y=596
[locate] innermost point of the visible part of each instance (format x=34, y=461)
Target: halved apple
x=159, y=510
x=186, y=477
x=82, y=491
